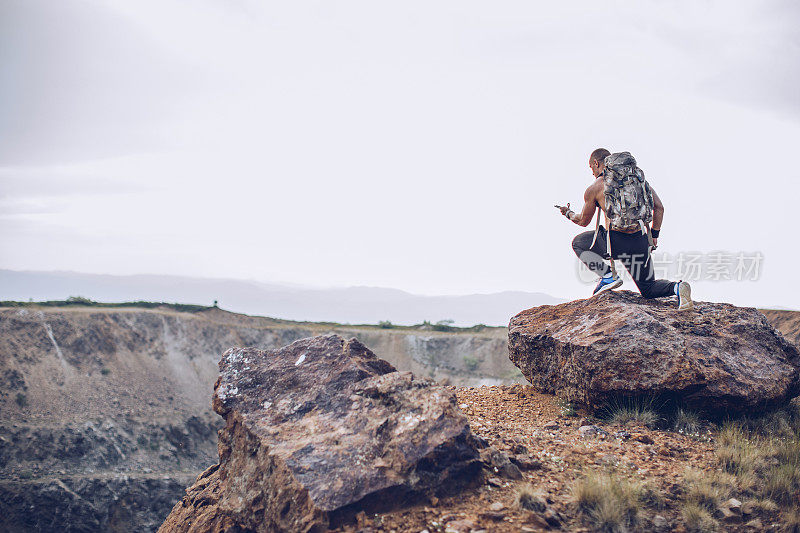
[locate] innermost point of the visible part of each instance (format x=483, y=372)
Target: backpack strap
x=608, y=248
x=596, y=226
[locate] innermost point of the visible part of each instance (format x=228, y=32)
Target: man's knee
x=582, y=242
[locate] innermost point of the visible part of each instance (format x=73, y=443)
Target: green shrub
x=385, y=324
x=567, y=407
x=471, y=363
x=444, y=325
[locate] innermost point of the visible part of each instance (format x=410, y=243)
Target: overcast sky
x=415, y=145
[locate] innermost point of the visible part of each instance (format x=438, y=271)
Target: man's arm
x=658, y=214
x=658, y=210
x=589, y=207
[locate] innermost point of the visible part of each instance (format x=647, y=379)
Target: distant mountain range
x=352, y=305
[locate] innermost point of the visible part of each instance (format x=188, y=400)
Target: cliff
x=105, y=412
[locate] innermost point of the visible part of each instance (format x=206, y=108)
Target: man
x=631, y=246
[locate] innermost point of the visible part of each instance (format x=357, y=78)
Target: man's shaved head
x=599, y=155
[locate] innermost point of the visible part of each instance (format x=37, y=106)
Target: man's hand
x=655, y=243
x=563, y=208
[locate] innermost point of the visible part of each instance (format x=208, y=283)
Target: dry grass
x=740, y=452
x=791, y=522
x=687, y=423
x=760, y=462
x=764, y=505
x=632, y=412
x=782, y=484
x=767, y=467
x=707, y=489
x=530, y=499
x=608, y=501
x=697, y=519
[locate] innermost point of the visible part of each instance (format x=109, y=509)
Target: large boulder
x=318, y=431
x=717, y=358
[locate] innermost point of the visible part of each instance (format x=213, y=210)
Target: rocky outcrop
x=319, y=430
x=717, y=358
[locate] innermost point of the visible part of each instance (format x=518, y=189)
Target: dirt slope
x=787, y=322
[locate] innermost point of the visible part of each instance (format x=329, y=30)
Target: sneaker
x=684, y=296
x=607, y=284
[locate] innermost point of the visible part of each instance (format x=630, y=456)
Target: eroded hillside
x=105, y=412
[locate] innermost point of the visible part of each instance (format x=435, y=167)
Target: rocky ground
x=105, y=421
x=542, y=435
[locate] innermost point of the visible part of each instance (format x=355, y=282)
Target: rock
x=726, y=515
x=734, y=505
x=459, y=526
x=550, y=426
x=755, y=524
x=660, y=524
x=747, y=509
x=519, y=449
x=590, y=431
x=492, y=515
x=495, y=482
x=537, y=521
x=608, y=459
x=716, y=358
x=295, y=455
x=526, y=462
x=552, y=517
x=497, y=506
x=643, y=438
x=495, y=459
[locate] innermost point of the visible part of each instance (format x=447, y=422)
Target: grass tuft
x=782, y=483
x=706, y=489
x=567, y=407
x=760, y=461
x=608, y=501
x=631, y=411
x=698, y=519
x=530, y=499
x=791, y=522
x=687, y=422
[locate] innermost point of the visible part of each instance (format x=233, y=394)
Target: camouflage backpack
x=629, y=200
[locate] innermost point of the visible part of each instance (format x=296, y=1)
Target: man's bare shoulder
x=595, y=189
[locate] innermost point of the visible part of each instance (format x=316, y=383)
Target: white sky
x=416, y=145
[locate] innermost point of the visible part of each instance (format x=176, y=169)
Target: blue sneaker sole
x=613, y=285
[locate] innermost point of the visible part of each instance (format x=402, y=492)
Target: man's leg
x=592, y=256
x=637, y=260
